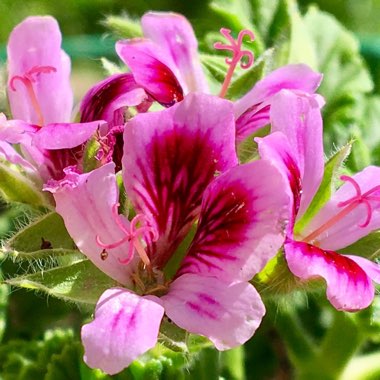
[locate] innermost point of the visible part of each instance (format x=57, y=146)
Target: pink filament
x=132, y=235
x=348, y=206
x=27, y=80
x=237, y=55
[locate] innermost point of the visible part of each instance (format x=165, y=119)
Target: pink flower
x=352, y=212
x=167, y=65
x=41, y=101
x=179, y=167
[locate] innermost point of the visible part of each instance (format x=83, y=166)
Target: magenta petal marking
x=106, y=98
x=174, y=35
x=348, y=286
x=228, y=314
x=125, y=326
x=242, y=223
x=169, y=159
x=150, y=71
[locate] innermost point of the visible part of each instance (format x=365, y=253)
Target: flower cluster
x=199, y=224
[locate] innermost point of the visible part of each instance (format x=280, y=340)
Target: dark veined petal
x=242, y=223
x=169, y=159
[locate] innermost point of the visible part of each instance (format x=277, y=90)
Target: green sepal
x=124, y=26
x=81, y=282
x=4, y=293
x=90, y=162
x=16, y=187
x=47, y=232
x=215, y=66
x=332, y=168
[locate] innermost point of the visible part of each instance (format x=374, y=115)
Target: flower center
x=27, y=80
x=132, y=235
x=237, y=55
x=348, y=206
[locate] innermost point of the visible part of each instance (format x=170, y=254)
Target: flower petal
x=85, y=202
x=348, y=286
x=9, y=154
x=125, y=326
x=298, y=116
x=292, y=77
x=65, y=136
x=175, y=35
x=227, y=314
x=276, y=149
x=346, y=230
x=151, y=69
x=372, y=269
x=242, y=223
x=169, y=159
x=42, y=37
x=110, y=95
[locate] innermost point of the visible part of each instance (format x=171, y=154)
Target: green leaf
x=81, y=282
x=90, y=162
x=124, y=26
x=332, y=168
x=368, y=246
x=16, y=187
x=47, y=232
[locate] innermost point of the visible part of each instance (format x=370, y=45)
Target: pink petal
x=175, y=35
x=64, y=136
x=242, y=223
x=346, y=230
x=8, y=153
x=372, y=269
x=227, y=314
x=292, y=77
x=298, y=116
x=348, y=286
x=169, y=159
x=110, y=95
x=37, y=42
x=125, y=326
x=151, y=69
x=276, y=149
x=85, y=203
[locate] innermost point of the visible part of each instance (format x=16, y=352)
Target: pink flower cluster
x=181, y=174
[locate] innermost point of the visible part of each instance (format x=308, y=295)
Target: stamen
x=27, y=80
x=237, y=54
x=132, y=235
x=349, y=205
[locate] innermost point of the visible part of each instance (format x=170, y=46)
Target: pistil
x=132, y=236
x=27, y=80
x=237, y=55
x=349, y=205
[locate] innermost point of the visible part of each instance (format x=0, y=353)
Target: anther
x=237, y=54
x=27, y=80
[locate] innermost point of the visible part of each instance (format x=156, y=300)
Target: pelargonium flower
x=179, y=167
x=41, y=101
x=352, y=212
x=166, y=64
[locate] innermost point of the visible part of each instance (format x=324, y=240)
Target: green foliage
x=79, y=282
